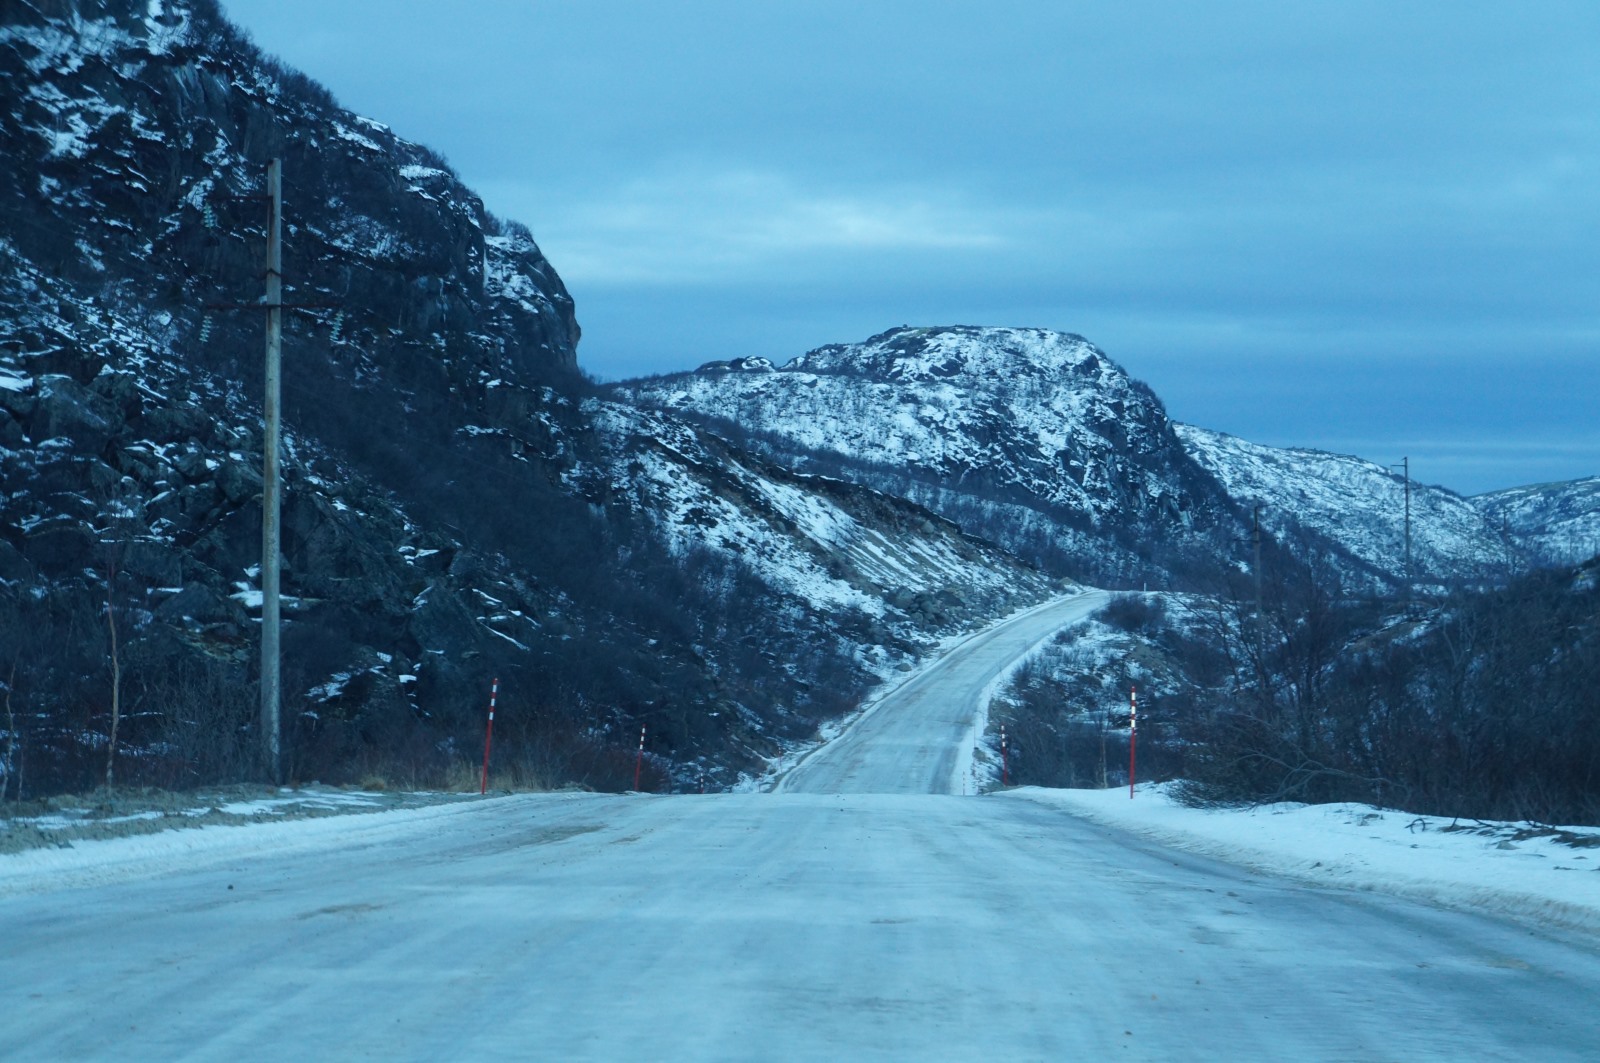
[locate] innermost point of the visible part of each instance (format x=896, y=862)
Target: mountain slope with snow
x=1034, y=438
x=876, y=570
x=1354, y=504
x=1556, y=523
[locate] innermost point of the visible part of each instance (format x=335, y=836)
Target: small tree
x=120, y=530
x=10, y=768
x=116, y=674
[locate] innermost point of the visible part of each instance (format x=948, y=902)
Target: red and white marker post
x=488, y=737
x=638, y=762
x=1133, y=733
x=1005, y=760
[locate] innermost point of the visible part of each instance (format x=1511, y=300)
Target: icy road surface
x=786, y=926
x=765, y=927
x=918, y=738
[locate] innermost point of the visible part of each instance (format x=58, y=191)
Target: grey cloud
x=1238, y=200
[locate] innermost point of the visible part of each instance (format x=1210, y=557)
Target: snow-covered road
x=917, y=738
x=765, y=926
x=784, y=926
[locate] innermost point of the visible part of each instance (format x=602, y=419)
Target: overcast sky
x=1366, y=227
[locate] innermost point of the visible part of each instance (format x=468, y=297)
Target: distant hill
x=1358, y=505
x=1554, y=522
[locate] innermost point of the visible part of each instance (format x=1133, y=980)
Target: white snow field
x=779, y=926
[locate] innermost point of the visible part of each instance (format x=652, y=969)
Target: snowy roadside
x=106, y=860
x=1525, y=871
x=63, y=821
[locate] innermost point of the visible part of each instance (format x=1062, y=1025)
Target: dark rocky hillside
x=457, y=508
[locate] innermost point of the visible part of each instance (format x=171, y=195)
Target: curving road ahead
x=917, y=739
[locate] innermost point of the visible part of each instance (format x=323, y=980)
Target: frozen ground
x=1547, y=874
x=140, y=855
x=63, y=822
x=748, y=927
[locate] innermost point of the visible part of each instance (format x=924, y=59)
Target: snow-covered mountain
x=1354, y=505
x=1555, y=523
x=1031, y=437
x=1039, y=441
x=456, y=507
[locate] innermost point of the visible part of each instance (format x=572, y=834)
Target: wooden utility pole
x=271, y=456
x=1257, y=512
x=1410, y=576
x=271, y=548
x=1405, y=464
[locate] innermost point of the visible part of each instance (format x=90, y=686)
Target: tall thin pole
x=1105, y=725
x=1260, y=623
x=1133, y=734
x=270, y=486
x=1257, y=512
x=488, y=736
x=1406, y=463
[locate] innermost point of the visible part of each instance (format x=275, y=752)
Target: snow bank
x=100, y=862
x=1492, y=867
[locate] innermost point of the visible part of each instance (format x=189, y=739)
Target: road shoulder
x=1548, y=876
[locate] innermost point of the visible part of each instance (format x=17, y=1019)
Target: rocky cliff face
x=455, y=508
x=1034, y=438
x=136, y=137
x=131, y=130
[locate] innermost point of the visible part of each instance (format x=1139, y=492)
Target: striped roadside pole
x=1133, y=733
x=488, y=736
